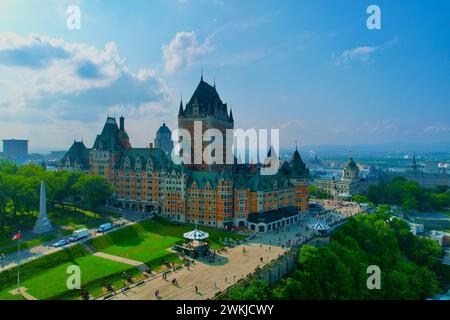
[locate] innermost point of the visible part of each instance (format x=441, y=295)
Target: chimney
x=252, y=167
x=122, y=123
x=150, y=146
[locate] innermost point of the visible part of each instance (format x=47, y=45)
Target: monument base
x=42, y=225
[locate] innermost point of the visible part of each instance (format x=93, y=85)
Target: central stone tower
x=205, y=106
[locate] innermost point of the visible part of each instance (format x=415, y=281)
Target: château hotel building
x=146, y=179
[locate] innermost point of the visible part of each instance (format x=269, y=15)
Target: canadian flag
x=16, y=236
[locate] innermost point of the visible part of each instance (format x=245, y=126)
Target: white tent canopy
x=196, y=235
x=319, y=226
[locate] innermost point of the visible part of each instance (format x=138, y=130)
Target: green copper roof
x=208, y=101
x=297, y=167
x=156, y=157
x=261, y=182
x=109, y=138
x=77, y=153
x=351, y=164
x=201, y=178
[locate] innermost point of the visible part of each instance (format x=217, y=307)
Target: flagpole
x=18, y=263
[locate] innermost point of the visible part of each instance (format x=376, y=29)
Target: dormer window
x=195, y=108
x=138, y=165
x=149, y=165
x=126, y=164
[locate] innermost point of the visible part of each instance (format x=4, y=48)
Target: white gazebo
x=319, y=226
x=194, y=246
x=196, y=235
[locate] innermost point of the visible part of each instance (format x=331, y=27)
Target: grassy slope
x=46, y=277
x=149, y=240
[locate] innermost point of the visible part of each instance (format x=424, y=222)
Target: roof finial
x=201, y=75
x=214, y=81
x=296, y=145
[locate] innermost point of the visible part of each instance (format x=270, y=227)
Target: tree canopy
x=409, y=195
x=20, y=187
x=408, y=264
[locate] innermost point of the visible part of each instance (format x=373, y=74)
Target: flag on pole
x=16, y=236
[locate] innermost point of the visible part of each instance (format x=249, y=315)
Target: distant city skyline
x=310, y=68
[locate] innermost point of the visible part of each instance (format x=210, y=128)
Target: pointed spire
x=231, y=114
x=180, y=112
x=414, y=164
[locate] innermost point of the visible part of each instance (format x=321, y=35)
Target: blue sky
x=310, y=68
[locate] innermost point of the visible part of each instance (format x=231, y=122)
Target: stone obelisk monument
x=42, y=225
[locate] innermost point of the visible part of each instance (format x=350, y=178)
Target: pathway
x=23, y=291
x=209, y=278
x=141, y=266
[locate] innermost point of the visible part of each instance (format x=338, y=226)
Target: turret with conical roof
x=297, y=167
x=163, y=139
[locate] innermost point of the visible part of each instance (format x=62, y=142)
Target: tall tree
x=95, y=190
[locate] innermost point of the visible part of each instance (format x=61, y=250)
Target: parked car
x=61, y=243
x=79, y=234
x=105, y=227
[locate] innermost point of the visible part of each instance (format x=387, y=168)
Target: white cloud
x=363, y=53
x=437, y=129
x=358, y=53
x=71, y=87
x=378, y=126
x=292, y=124
x=183, y=51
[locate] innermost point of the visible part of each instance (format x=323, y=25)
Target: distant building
x=349, y=184
x=163, y=139
x=437, y=236
x=15, y=148
x=416, y=228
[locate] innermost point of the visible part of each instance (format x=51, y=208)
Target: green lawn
x=149, y=240
x=45, y=278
